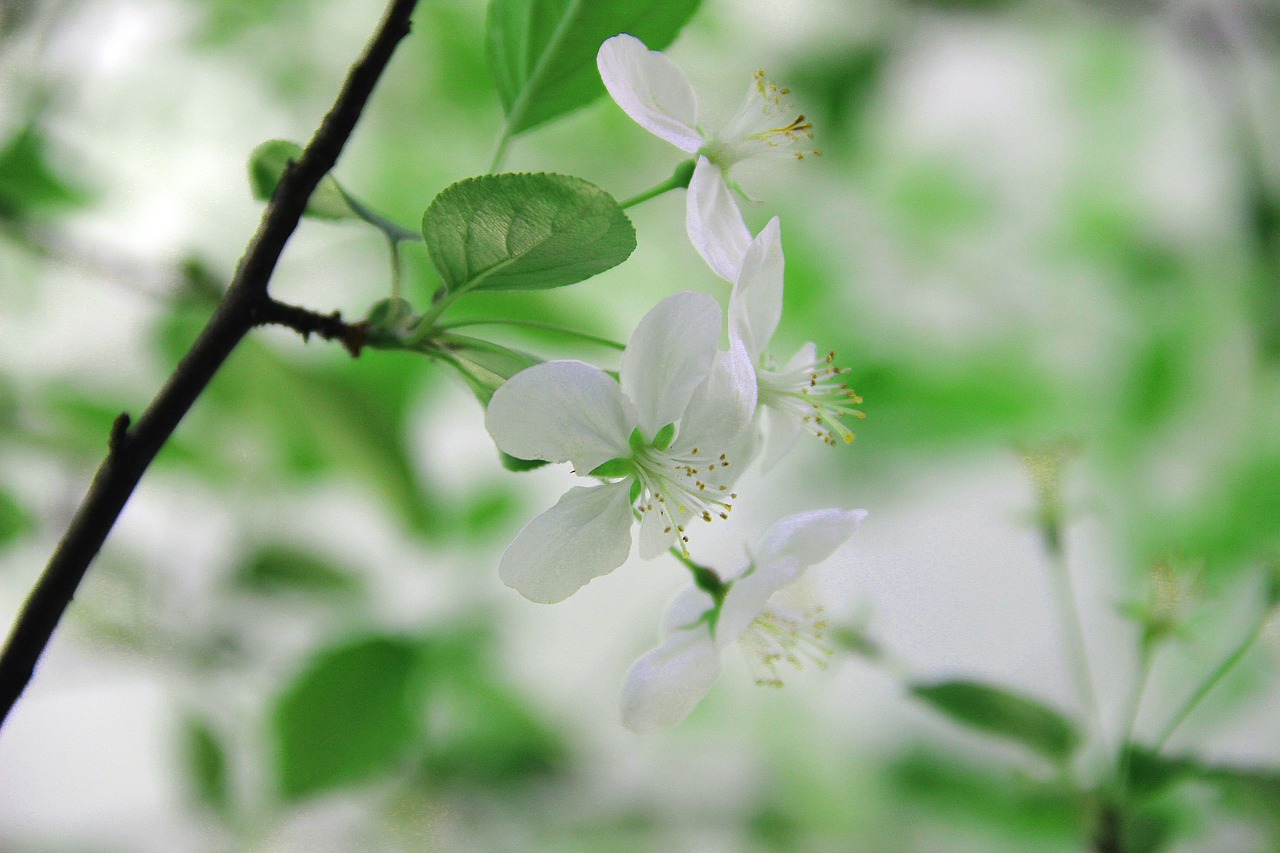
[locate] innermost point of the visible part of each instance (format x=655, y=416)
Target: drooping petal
x=585, y=535
x=665, y=684
x=722, y=405
x=714, y=223
x=781, y=430
x=786, y=550
x=651, y=89
x=755, y=306
x=560, y=411
x=685, y=610
x=668, y=356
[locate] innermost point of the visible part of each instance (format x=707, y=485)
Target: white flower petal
x=651, y=89
x=685, y=610
x=585, y=535
x=755, y=307
x=722, y=405
x=668, y=356
x=560, y=411
x=805, y=356
x=790, y=546
x=668, y=682
x=781, y=430
x=658, y=530
x=714, y=223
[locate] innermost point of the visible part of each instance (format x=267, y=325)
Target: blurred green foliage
x=1149, y=341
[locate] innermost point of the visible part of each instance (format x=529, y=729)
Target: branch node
x=119, y=434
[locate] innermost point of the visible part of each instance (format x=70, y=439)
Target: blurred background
x=1045, y=236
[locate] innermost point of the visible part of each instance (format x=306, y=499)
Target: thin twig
x=246, y=303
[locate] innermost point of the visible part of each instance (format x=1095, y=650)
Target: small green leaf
x=513, y=463
x=1002, y=713
x=208, y=764
x=29, y=183
x=14, y=519
x=276, y=569
x=266, y=166
x=524, y=232
x=352, y=715
x=663, y=439
x=621, y=466
x=542, y=53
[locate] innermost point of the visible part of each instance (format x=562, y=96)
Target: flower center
x=679, y=486
x=814, y=394
x=780, y=635
x=760, y=128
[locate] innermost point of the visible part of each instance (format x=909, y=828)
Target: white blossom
x=656, y=94
x=805, y=393
x=658, y=437
x=769, y=610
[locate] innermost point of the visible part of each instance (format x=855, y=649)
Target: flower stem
x=1212, y=680
x=1145, y=655
x=1069, y=619
x=679, y=180
x=535, y=324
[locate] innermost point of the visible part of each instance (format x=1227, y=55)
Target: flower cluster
x=665, y=443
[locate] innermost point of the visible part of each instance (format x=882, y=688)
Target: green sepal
x=619, y=466
x=636, y=489
x=637, y=440
x=515, y=463
x=663, y=439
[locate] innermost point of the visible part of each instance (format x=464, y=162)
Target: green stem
x=1212, y=681
x=394, y=231
x=1146, y=653
x=397, y=288
x=1072, y=628
x=535, y=324
x=678, y=180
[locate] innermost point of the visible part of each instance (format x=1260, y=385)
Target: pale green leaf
x=543, y=52
x=524, y=232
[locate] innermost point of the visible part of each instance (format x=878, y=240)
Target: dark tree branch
x=246, y=304
x=306, y=322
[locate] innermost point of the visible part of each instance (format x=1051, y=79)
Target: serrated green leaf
x=277, y=569
x=524, y=232
x=1002, y=713
x=266, y=166
x=542, y=53
x=207, y=761
x=352, y=715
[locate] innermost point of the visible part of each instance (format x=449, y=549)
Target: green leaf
x=14, y=519
x=278, y=569
x=208, y=764
x=266, y=166
x=542, y=53
x=524, y=232
x=29, y=183
x=999, y=712
x=352, y=715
